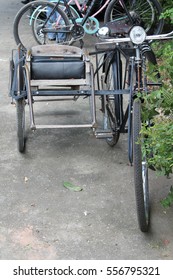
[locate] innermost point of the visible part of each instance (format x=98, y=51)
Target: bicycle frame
x=137, y=87
x=135, y=84
x=99, y=10
x=79, y=7
x=85, y=17
x=67, y=3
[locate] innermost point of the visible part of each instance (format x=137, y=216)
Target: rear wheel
x=140, y=171
x=146, y=13
x=113, y=102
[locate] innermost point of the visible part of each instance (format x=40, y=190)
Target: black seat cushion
x=52, y=68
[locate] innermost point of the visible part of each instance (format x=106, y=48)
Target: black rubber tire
x=29, y=8
x=114, y=72
x=129, y=83
x=20, y=105
x=150, y=21
x=130, y=138
x=20, y=109
x=140, y=171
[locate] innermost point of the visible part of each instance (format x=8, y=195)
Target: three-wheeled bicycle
x=61, y=73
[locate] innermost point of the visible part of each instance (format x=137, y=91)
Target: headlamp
x=137, y=35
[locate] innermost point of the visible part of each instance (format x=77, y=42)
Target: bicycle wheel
x=113, y=81
x=32, y=25
x=143, y=12
x=20, y=105
x=140, y=171
x=40, y=17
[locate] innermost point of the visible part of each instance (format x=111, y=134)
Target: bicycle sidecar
x=49, y=73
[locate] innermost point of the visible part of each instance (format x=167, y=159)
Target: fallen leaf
x=72, y=187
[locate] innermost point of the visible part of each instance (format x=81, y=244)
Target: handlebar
x=128, y=39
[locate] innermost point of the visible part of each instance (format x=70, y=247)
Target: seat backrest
x=56, y=50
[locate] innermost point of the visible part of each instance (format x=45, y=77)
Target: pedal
x=101, y=134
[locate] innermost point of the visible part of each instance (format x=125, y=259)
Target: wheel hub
x=77, y=31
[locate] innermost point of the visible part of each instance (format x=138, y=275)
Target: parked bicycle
x=37, y=20
x=121, y=115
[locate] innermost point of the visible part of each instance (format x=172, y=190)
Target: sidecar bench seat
x=57, y=65
x=54, y=68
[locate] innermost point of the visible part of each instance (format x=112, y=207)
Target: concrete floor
x=39, y=218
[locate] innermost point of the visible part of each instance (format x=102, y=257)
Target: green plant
x=166, y=5
x=167, y=201
x=167, y=14
x=158, y=146
x=158, y=107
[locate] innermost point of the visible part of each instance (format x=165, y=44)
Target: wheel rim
x=145, y=189
x=146, y=13
x=111, y=120
x=27, y=32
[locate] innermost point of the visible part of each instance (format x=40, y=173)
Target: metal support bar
x=93, y=96
x=47, y=92
x=31, y=111
x=56, y=99
x=60, y=92
x=154, y=84
x=65, y=126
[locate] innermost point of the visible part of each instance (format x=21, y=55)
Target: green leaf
x=166, y=202
x=72, y=187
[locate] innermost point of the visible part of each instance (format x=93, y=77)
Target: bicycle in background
x=34, y=22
